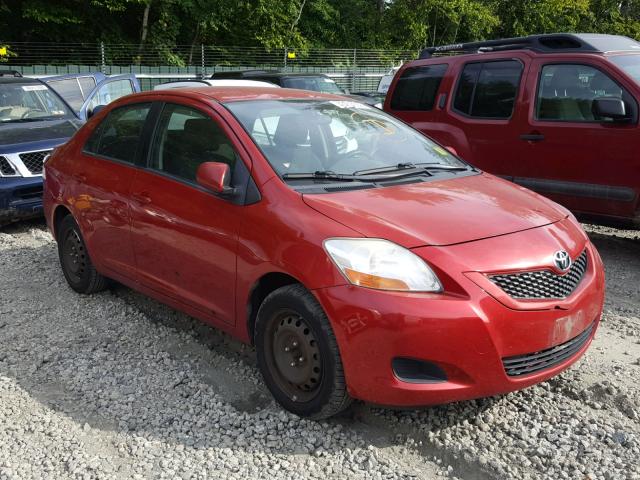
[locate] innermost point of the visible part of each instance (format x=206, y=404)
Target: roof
x=217, y=82
x=264, y=73
x=546, y=43
x=18, y=80
x=233, y=94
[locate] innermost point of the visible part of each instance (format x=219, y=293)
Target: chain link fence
x=353, y=69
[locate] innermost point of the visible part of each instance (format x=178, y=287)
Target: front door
x=185, y=237
x=568, y=154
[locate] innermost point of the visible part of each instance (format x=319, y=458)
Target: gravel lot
x=119, y=386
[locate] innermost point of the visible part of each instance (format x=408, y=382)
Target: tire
x=298, y=354
x=76, y=265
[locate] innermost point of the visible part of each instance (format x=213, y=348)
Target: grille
x=543, y=284
x=535, y=362
x=6, y=168
x=34, y=160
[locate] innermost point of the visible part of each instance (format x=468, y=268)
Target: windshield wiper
x=344, y=177
x=320, y=175
x=416, y=167
x=30, y=119
x=392, y=168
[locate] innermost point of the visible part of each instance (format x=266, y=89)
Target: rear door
x=101, y=181
x=483, y=111
x=108, y=90
x=585, y=163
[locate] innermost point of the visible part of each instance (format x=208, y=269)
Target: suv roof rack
x=10, y=73
x=547, y=43
x=240, y=73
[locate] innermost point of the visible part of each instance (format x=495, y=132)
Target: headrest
x=565, y=78
x=291, y=131
x=600, y=82
x=203, y=132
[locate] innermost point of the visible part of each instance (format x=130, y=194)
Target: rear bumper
x=467, y=338
x=20, y=198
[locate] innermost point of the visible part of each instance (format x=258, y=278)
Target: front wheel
x=298, y=354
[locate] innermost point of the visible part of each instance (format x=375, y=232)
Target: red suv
x=555, y=113
x=362, y=259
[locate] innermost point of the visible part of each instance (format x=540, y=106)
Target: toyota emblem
x=562, y=260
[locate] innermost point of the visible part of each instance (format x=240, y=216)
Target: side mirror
x=216, y=177
x=613, y=108
x=95, y=110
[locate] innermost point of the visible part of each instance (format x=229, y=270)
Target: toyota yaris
x=363, y=260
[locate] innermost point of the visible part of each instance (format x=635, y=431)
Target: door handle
x=142, y=197
x=532, y=137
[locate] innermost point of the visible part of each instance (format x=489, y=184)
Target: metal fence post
x=102, y=60
x=353, y=71
x=286, y=52
x=202, y=74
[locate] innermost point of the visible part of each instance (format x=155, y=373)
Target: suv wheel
x=76, y=265
x=298, y=354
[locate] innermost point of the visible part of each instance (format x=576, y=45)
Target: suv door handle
x=142, y=197
x=532, y=137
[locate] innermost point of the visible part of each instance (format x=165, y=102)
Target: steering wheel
x=356, y=160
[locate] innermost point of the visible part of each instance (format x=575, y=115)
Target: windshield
x=315, y=84
x=29, y=101
x=629, y=63
x=342, y=137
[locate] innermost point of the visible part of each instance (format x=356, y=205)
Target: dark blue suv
x=35, y=117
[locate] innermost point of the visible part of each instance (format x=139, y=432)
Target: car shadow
x=126, y=364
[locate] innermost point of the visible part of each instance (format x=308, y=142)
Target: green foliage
x=304, y=24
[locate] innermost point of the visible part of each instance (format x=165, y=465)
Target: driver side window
x=186, y=138
x=566, y=92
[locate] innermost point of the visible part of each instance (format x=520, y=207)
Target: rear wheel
x=298, y=354
x=76, y=265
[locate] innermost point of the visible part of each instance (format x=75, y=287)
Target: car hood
x=14, y=136
x=440, y=212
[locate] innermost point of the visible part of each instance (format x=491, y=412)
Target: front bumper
x=466, y=335
x=20, y=197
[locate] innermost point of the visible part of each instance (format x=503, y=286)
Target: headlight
x=380, y=264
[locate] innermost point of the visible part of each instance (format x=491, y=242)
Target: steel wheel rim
x=293, y=356
x=74, y=256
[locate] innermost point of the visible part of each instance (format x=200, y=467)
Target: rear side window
x=488, y=90
x=111, y=91
x=70, y=90
x=417, y=88
x=119, y=136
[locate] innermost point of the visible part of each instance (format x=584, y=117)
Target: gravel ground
x=119, y=386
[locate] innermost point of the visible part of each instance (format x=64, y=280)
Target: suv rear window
x=417, y=88
x=488, y=90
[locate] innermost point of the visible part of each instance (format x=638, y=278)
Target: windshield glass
x=629, y=63
x=29, y=101
x=343, y=137
x=316, y=84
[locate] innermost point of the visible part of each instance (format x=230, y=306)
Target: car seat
x=293, y=152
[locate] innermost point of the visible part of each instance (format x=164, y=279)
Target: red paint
x=578, y=153
x=214, y=176
x=201, y=254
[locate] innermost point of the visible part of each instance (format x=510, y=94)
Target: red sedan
x=362, y=259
